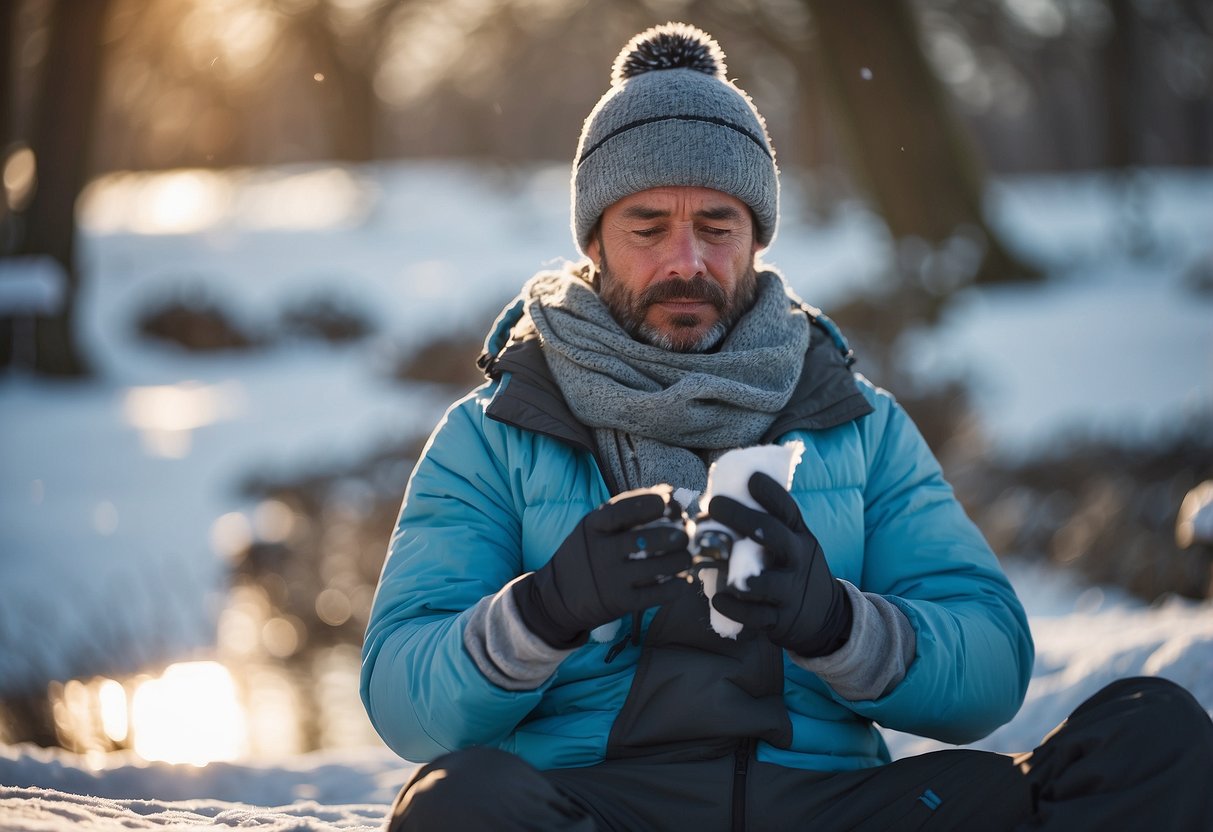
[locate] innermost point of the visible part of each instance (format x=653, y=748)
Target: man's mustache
x=696, y=288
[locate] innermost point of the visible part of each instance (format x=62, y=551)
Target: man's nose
x=684, y=257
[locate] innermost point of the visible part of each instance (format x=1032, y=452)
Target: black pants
x=1136, y=755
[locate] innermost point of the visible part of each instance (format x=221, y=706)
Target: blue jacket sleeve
x=456, y=541
x=974, y=650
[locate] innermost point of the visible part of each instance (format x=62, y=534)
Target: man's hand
x=606, y=568
x=795, y=600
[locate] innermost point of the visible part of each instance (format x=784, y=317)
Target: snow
x=729, y=476
x=42, y=810
x=1085, y=638
x=111, y=488
x=1162, y=372
x=318, y=791
x=1115, y=344
x=30, y=286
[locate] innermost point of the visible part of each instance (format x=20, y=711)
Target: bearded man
x=537, y=638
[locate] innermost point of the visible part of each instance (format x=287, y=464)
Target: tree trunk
x=8, y=106
x=1119, y=89
x=906, y=147
x=348, y=85
x=63, y=128
x=356, y=131
x=8, y=89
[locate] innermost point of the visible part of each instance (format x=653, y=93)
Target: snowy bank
x=46, y=810
x=1085, y=638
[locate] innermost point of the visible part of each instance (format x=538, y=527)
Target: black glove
x=593, y=578
x=795, y=600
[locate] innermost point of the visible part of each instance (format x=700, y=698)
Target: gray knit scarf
x=662, y=416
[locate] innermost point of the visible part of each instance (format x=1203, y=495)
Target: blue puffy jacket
x=509, y=472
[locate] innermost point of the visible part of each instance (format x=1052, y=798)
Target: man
x=539, y=520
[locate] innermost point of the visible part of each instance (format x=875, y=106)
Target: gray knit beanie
x=672, y=117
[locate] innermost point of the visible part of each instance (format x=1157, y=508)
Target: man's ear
x=593, y=249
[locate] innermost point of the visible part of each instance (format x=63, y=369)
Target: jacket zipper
x=617, y=648
x=741, y=766
x=633, y=636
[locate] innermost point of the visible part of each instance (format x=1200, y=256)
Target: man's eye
x=711, y=231
x=647, y=232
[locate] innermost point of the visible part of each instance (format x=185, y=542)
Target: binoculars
x=711, y=542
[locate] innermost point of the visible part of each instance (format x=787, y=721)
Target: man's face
x=676, y=265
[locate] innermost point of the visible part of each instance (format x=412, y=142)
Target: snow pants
x=1136, y=755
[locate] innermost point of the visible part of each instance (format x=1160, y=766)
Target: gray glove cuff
x=506, y=652
x=876, y=656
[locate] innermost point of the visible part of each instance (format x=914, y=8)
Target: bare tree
x=63, y=123
x=905, y=145
x=8, y=37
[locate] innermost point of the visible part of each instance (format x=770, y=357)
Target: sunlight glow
x=175, y=202
x=190, y=714
x=179, y=203
x=72, y=712
x=241, y=621
x=20, y=173
x=1195, y=521
x=115, y=719
x=274, y=521
x=333, y=607
x=420, y=54
x=343, y=722
x=166, y=415
x=300, y=201
x=230, y=36
x=231, y=535
x=281, y=636
x=275, y=705
x=194, y=201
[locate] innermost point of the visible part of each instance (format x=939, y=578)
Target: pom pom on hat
x=671, y=46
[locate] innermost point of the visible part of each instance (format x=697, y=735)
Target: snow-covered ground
x=1085, y=638
x=110, y=489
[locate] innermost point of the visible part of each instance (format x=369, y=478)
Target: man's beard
x=630, y=309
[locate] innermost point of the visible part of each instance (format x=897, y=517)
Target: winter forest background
x=249, y=248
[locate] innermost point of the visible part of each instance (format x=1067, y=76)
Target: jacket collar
x=531, y=399
x=826, y=395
